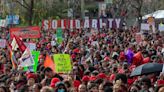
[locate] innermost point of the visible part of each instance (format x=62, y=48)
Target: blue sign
x=12, y=19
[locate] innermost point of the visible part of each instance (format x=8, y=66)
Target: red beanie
x=73, y=56
x=85, y=78
x=112, y=77
x=101, y=76
x=54, y=81
x=76, y=83
x=93, y=78
x=31, y=75
x=122, y=56
x=106, y=59
x=76, y=50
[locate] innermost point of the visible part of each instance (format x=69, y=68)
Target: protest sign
x=53, y=43
x=14, y=44
x=145, y=26
x=59, y=40
x=3, y=23
x=59, y=36
x=62, y=63
x=35, y=55
x=2, y=43
x=161, y=27
x=25, y=32
x=12, y=19
x=102, y=9
x=26, y=59
x=31, y=46
x=59, y=32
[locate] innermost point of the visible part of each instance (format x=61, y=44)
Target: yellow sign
x=62, y=63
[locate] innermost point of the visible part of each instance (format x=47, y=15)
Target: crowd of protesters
x=99, y=63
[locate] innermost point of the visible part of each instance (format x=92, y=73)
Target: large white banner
x=77, y=23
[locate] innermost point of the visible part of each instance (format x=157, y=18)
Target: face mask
x=61, y=90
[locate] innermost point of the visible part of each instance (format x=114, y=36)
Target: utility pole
x=82, y=9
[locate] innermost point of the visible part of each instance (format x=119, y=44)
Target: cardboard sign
x=26, y=59
x=25, y=32
x=31, y=46
x=161, y=27
x=2, y=43
x=53, y=43
x=62, y=63
x=145, y=26
x=35, y=55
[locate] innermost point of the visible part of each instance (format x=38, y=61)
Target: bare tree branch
x=134, y=6
x=26, y=3
x=26, y=7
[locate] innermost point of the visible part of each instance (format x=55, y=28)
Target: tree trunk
x=31, y=12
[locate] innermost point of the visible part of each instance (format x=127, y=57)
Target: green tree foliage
x=32, y=12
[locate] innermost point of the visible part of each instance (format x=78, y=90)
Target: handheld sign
x=59, y=34
x=35, y=55
x=62, y=63
x=2, y=43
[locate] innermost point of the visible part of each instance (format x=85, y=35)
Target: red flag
x=20, y=43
